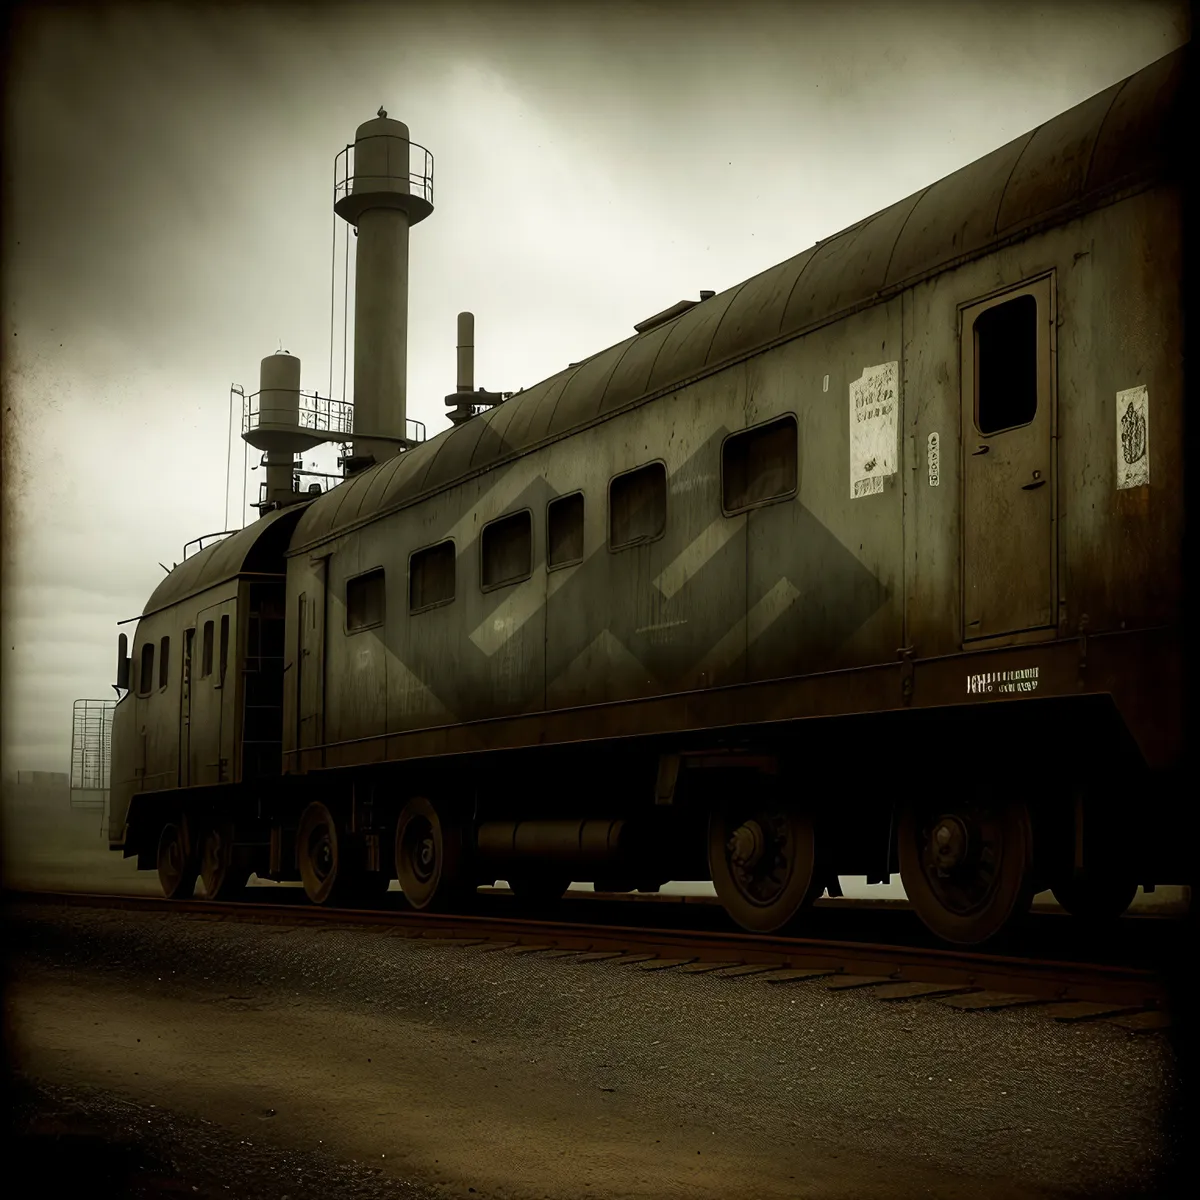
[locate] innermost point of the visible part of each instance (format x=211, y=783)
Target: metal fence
x=91, y=752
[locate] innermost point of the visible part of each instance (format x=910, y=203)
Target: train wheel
x=1096, y=899
x=221, y=871
x=539, y=889
x=430, y=854
x=967, y=867
x=325, y=869
x=762, y=856
x=177, y=866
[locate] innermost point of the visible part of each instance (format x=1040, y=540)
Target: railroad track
x=970, y=979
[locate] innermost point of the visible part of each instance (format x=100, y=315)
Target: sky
x=168, y=222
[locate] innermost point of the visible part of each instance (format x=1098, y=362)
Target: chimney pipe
x=466, y=352
x=376, y=196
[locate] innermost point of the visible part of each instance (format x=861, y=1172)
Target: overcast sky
x=168, y=172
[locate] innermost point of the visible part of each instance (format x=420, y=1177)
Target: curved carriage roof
x=258, y=548
x=1116, y=140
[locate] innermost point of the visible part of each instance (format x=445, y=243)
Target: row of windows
x=758, y=466
x=146, y=676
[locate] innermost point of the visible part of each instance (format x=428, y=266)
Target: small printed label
x=935, y=460
x=1133, y=438
x=1023, y=680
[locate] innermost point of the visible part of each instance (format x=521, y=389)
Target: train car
x=871, y=563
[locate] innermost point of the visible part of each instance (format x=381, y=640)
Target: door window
x=1006, y=383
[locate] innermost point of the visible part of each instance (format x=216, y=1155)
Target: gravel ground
x=88, y=1141
x=1007, y=1103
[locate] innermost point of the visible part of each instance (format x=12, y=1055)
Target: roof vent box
x=669, y=314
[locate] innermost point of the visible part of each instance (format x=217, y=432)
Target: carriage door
x=185, y=710
x=227, y=685
x=310, y=670
x=1008, y=426
x=212, y=696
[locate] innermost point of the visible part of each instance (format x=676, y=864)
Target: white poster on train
x=873, y=412
x=1133, y=438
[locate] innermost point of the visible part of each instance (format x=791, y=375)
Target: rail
x=319, y=413
x=199, y=541
x=420, y=181
x=910, y=972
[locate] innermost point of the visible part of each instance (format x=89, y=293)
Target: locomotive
x=869, y=564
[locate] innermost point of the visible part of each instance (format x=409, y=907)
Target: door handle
x=1029, y=487
x=981, y=450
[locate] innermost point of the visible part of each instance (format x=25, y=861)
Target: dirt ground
x=421, y=1106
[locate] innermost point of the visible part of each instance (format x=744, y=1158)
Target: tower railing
x=420, y=180
x=316, y=412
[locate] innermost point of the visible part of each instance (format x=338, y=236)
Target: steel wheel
x=762, y=856
x=429, y=855
x=221, y=870
x=967, y=867
x=1096, y=899
x=177, y=867
x=320, y=851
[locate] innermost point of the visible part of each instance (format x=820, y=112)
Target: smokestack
x=376, y=196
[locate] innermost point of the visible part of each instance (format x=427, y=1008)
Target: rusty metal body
x=980, y=599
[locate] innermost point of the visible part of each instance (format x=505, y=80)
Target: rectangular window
x=431, y=576
x=564, y=530
x=206, y=651
x=759, y=466
x=1006, y=365
x=637, y=506
x=507, y=547
x=364, y=601
x=224, y=647
x=146, y=679
x=164, y=658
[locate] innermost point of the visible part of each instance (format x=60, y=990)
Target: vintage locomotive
x=870, y=563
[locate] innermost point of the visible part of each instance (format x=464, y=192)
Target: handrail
x=199, y=541
x=420, y=182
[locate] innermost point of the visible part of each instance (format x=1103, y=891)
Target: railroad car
x=869, y=564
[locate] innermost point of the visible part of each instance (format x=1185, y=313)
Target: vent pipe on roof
x=464, y=398
x=669, y=314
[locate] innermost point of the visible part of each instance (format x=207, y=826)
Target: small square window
x=564, y=530
x=637, y=504
x=759, y=465
x=364, y=601
x=507, y=548
x=431, y=576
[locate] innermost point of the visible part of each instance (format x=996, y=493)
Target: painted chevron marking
x=691, y=559
x=752, y=626
x=507, y=618
x=409, y=694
